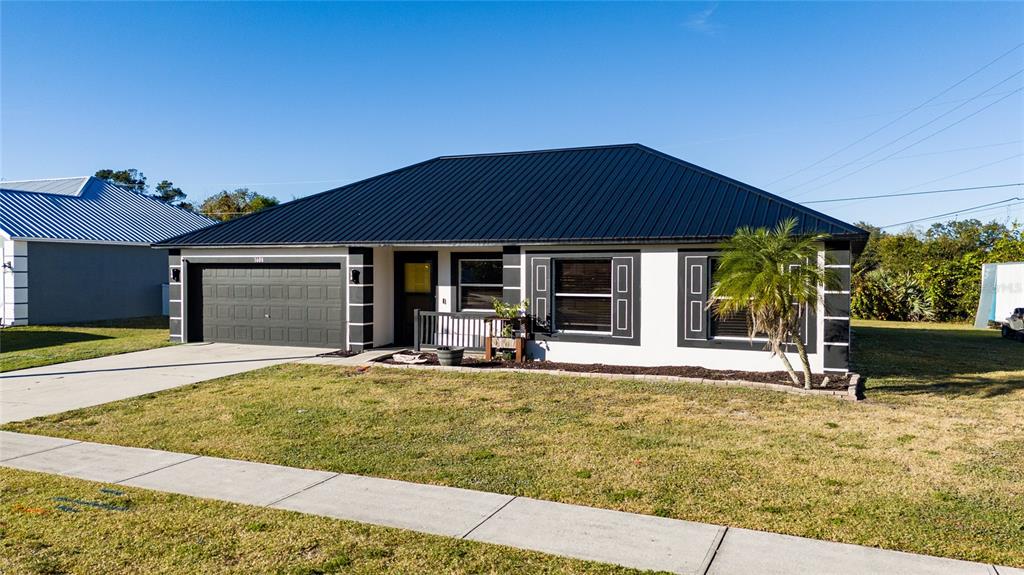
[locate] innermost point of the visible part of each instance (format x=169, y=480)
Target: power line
x=961, y=211
x=922, y=126
x=897, y=195
x=902, y=116
x=951, y=150
x=911, y=145
x=932, y=181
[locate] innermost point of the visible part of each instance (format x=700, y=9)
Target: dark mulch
x=779, y=377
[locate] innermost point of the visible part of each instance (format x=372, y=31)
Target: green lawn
x=35, y=345
x=148, y=532
x=932, y=463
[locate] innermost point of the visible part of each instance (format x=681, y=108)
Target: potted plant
x=450, y=355
x=513, y=327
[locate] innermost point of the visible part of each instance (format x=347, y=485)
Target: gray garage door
x=268, y=304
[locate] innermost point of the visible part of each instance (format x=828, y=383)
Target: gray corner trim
x=360, y=333
x=364, y=273
x=837, y=356
x=837, y=331
x=360, y=314
x=360, y=294
x=511, y=277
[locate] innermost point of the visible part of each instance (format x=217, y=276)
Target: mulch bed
x=778, y=377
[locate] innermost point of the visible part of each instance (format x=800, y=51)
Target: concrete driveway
x=52, y=389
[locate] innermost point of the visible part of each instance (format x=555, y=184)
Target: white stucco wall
x=659, y=316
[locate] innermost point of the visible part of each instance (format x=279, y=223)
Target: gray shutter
x=695, y=297
x=623, y=308
x=540, y=293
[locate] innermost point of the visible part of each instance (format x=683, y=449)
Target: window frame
x=556, y=262
x=459, y=284
x=684, y=283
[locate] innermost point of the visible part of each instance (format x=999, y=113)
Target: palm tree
x=772, y=274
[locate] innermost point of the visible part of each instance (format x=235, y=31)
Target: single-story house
x=612, y=246
x=78, y=250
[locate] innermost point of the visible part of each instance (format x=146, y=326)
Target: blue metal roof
x=608, y=194
x=89, y=209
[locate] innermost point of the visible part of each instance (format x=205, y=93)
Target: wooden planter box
x=518, y=344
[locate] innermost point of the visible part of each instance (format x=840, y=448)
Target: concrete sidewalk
x=50, y=389
x=628, y=539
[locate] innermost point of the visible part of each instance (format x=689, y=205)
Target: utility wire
x=953, y=213
x=922, y=126
x=914, y=193
x=951, y=150
x=900, y=191
x=902, y=116
x=916, y=142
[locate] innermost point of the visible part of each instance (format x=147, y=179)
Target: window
x=583, y=295
x=732, y=326
x=417, y=277
x=479, y=283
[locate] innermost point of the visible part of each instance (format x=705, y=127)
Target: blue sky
x=294, y=98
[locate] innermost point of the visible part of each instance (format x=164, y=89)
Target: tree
x=167, y=192
x=772, y=274
x=135, y=181
x=227, y=205
x=130, y=179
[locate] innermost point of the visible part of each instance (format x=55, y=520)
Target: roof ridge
x=2, y=181
x=541, y=151
x=753, y=189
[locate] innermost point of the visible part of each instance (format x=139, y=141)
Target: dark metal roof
x=608, y=194
x=89, y=209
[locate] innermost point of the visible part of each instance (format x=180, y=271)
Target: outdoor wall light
x=175, y=275
x=355, y=276
x=8, y=266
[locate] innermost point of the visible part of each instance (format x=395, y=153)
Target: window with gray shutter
x=695, y=296
x=585, y=296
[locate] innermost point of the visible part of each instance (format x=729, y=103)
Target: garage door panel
x=237, y=304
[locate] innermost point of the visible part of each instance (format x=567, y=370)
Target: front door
x=415, y=288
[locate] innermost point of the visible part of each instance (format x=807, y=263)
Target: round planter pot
x=450, y=356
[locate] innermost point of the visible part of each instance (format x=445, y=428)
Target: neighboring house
x=612, y=246
x=78, y=250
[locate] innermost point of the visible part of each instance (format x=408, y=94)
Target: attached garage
x=272, y=304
